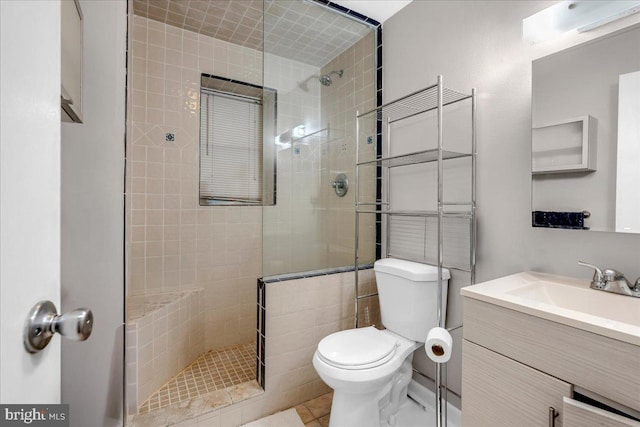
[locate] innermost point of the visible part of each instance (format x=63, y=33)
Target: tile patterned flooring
x=211, y=371
x=316, y=412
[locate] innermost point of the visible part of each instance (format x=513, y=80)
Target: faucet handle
x=598, y=276
x=609, y=275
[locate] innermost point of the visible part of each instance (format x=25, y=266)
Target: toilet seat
x=361, y=348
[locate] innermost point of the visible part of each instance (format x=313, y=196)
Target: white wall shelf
x=564, y=146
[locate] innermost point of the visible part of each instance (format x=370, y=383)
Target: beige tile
x=320, y=406
x=305, y=415
x=324, y=421
x=245, y=391
x=218, y=399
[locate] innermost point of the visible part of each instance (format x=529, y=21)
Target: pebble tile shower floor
x=212, y=370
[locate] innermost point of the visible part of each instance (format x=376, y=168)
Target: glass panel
x=323, y=65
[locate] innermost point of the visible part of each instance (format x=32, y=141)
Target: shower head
x=325, y=79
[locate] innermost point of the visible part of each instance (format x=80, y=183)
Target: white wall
x=478, y=44
x=93, y=221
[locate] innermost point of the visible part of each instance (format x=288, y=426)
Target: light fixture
x=285, y=139
x=577, y=15
x=298, y=131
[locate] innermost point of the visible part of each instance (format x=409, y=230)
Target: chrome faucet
x=611, y=280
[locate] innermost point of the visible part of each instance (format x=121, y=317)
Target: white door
x=62, y=208
x=29, y=193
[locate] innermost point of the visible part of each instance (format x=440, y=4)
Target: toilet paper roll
x=438, y=345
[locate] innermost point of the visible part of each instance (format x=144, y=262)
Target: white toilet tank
x=408, y=292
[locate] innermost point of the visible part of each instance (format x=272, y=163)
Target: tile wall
x=299, y=314
x=164, y=334
x=173, y=242
x=355, y=91
x=170, y=236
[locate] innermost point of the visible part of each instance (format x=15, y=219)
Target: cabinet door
x=578, y=414
x=500, y=392
x=71, y=60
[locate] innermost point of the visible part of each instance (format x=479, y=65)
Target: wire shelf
x=415, y=158
x=419, y=234
x=416, y=103
x=460, y=214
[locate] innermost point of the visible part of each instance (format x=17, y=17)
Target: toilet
x=370, y=369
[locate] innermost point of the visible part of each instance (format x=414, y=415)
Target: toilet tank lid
x=410, y=270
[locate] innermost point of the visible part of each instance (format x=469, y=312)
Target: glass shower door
x=322, y=65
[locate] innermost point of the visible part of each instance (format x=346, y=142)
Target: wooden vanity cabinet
x=516, y=366
x=500, y=392
x=578, y=414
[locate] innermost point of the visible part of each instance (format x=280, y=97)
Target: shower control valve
x=340, y=184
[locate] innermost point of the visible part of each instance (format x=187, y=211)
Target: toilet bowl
x=359, y=365
x=370, y=369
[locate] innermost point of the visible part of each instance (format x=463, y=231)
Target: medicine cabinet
x=71, y=61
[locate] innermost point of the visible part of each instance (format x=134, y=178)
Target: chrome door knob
x=75, y=325
x=43, y=321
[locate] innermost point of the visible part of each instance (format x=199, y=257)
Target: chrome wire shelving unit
x=435, y=98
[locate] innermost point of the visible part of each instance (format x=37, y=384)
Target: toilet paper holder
x=437, y=349
x=439, y=344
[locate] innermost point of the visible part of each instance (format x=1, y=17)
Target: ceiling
x=380, y=10
x=298, y=30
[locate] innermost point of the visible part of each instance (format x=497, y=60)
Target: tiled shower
x=175, y=244
x=175, y=247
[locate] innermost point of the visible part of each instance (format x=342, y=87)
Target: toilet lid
x=357, y=348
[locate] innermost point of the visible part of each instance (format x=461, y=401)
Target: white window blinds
x=230, y=149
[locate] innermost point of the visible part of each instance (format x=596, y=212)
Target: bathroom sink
x=564, y=300
x=583, y=300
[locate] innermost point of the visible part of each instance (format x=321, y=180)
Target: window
x=235, y=166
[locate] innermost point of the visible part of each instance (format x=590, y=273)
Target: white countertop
x=564, y=300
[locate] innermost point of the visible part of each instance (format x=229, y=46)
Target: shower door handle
x=43, y=322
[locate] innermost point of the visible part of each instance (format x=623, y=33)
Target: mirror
x=586, y=135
